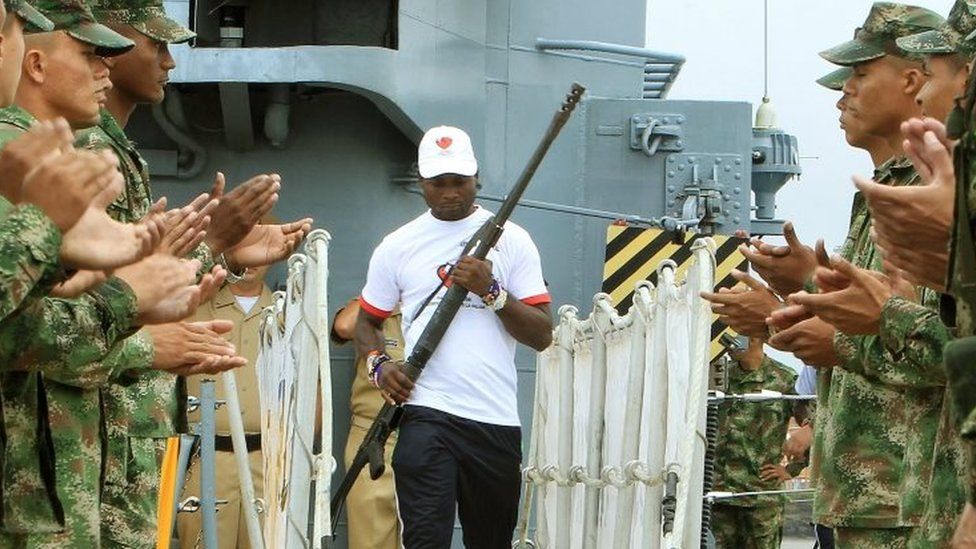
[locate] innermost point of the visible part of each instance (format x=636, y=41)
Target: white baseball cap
x=446, y=149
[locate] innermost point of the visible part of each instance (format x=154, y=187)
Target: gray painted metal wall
x=356, y=113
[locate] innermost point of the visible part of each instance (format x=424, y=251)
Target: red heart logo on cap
x=444, y=142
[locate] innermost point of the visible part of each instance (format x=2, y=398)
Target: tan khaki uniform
x=231, y=526
x=371, y=504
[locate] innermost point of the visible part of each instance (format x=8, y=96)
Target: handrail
x=608, y=47
x=660, y=68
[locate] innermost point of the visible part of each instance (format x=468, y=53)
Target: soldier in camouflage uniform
x=863, y=425
x=52, y=424
x=140, y=418
x=152, y=407
x=24, y=414
x=859, y=456
x=749, y=445
x=932, y=491
x=953, y=182
x=960, y=355
x=946, y=54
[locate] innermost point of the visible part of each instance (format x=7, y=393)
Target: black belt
x=224, y=443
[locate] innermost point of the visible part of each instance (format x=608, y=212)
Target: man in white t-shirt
x=459, y=445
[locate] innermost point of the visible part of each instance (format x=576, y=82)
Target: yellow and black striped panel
x=633, y=254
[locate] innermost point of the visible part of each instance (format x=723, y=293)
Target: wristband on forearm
x=495, y=298
x=232, y=277
x=374, y=366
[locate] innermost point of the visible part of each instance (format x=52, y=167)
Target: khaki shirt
x=365, y=400
x=246, y=340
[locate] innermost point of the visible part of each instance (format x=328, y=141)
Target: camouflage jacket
x=154, y=404
x=69, y=342
x=885, y=395
x=30, y=244
x=136, y=198
x=751, y=435
x=962, y=279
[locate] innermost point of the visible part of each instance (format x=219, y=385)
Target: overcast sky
x=723, y=43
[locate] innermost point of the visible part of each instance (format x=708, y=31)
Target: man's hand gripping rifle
x=372, y=448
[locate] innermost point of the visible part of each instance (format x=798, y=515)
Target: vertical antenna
x=765, y=114
x=765, y=49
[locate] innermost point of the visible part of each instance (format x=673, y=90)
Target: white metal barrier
x=294, y=373
x=620, y=403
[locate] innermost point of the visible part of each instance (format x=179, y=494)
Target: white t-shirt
x=247, y=302
x=472, y=372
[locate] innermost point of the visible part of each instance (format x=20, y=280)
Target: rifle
x=371, y=450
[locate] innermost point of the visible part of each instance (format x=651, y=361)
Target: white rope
x=294, y=372
x=619, y=404
x=701, y=276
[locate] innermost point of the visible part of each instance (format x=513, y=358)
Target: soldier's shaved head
x=947, y=76
x=880, y=95
x=876, y=147
x=140, y=75
x=62, y=76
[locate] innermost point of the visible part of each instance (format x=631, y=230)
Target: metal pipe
x=580, y=57
x=208, y=457
x=658, y=68
x=764, y=396
x=184, y=140
x=607, y=47
x=666, y=223
x=243, y=462
x=720, y=496
x=658, y=77
x=276, y=116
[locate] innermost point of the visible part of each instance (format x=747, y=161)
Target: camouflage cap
x=33, y=20
x=886, y=22
x=950, y=37
x=836, y=79
x=146, y=16
x=74, y=18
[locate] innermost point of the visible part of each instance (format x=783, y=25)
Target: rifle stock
x=372, y=449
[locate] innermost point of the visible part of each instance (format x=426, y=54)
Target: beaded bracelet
x=232, y=277
x=374, y=363
x=494, y=289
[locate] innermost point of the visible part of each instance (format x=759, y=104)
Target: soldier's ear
x=914, y=79
x=34, y=66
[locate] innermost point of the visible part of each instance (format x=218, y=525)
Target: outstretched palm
x=266, y=244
